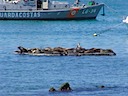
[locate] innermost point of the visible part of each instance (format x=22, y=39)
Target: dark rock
x=65, y=87
x=52, y=89
x=102, y=86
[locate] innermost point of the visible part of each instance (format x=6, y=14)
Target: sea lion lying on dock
x=60, y=51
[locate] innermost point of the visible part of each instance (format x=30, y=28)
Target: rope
x=110, y=8
x=103, y=31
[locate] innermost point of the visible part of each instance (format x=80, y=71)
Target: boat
x=126, y=20
x=48, y=10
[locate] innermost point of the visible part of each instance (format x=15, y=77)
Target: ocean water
x=22, y=75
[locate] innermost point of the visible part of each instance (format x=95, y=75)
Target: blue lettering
x=34, y=14
x=16, y=15
x=38, y=14
x=9, y=14
x=27, y=15
x=13, y=14
x=31, y=14
x=20, y=14
x=24, y=14
x=1, y=14
x=5, y=15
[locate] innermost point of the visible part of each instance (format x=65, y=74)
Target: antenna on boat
x=103, y=11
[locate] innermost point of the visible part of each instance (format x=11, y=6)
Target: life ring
x=73, y=12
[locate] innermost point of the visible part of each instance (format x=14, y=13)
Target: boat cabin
x=32, y=5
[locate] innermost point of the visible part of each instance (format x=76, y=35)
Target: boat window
x=45, y=0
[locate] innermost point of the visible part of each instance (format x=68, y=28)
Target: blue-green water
x=22, y=75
